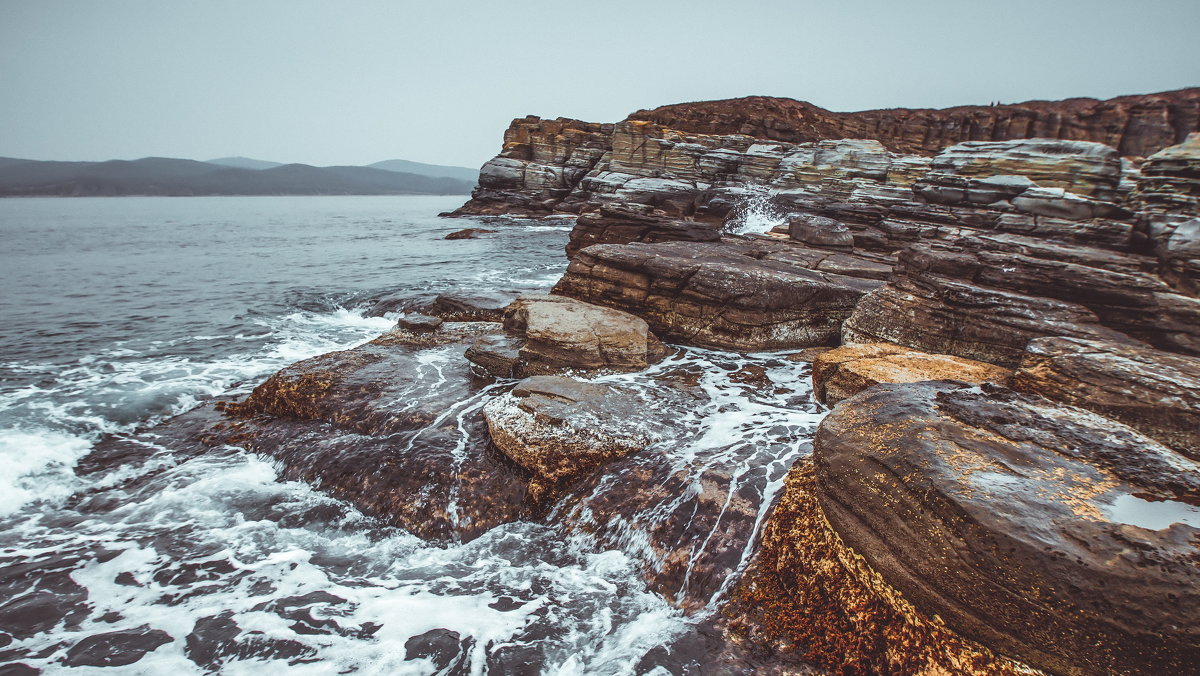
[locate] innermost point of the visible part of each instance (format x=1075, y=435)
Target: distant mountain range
x=227, y=176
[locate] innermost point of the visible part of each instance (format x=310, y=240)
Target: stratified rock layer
x=1154, y=392
x=742, y=296
x=1020, y=523
x=1135, y=125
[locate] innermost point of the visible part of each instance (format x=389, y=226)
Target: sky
x=355, y=82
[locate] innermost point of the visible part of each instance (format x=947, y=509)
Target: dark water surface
x=119, y=312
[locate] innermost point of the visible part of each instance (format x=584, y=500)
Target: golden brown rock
x=845, y=371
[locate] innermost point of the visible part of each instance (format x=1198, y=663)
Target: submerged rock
x=845, y=371
x=1040, y=530
x=116, y=648
x=469, y=233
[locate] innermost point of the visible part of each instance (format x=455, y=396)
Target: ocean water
x=120, y=312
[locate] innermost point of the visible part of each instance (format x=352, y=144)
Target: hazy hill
x=245, y=163
x=166, y=176
x=405, y=166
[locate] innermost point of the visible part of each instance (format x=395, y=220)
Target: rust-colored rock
x=845, y=371
x=1040, y=530
x=1136, y=125
x=809, y=600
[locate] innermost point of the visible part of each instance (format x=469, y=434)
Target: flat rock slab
x=1154, y=392
x=1043, y=531
x=560, y=429
x=845, y=371
x=738, y=295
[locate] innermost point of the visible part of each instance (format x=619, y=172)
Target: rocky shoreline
x=1000, y=305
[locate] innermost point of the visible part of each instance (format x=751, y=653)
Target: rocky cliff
x=569, y=166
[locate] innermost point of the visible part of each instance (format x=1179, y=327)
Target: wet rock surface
x=809, y=602
x=845, y=371
x=1154, y=392
x=116, y=648
x=1020, y=522
x=560, y=429
x=393, y=427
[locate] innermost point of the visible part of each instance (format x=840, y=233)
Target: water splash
x=758, y=212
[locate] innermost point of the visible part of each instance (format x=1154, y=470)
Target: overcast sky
x=438, y=81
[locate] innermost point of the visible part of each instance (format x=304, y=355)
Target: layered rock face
x=1050, y=534
x=541, y=163
x=1156, y=393
x=726, y=295
x=672, y=156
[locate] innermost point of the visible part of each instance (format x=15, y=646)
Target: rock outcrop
x=392, y=427
x=985, y=297
x=1040, y=530
x=1154, y=392
x=689, y=159
x=737, y=295
x=541, y=163
x=560, y=429
x=845, y=371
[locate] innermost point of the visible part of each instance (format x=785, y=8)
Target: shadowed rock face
x=1154, y=392
x=736, y=295
x=845, y=371
x=1029, y=526
x=985, y=297
x=392, y=427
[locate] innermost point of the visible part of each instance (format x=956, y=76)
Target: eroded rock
x=391, y=426
x=560, y=429
x=1040, y=530
x=728, y=295
x=1154, y=392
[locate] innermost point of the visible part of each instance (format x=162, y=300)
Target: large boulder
x=1154, y=392
x=738, y=295
x=1040, y=530
x=845, y=371
x=560, y=429
x=563, y=334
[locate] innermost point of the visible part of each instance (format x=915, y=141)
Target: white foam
x=37, y=466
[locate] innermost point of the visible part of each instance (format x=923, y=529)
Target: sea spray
x=757, y=212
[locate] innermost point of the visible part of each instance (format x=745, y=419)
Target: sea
x=118, y=313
